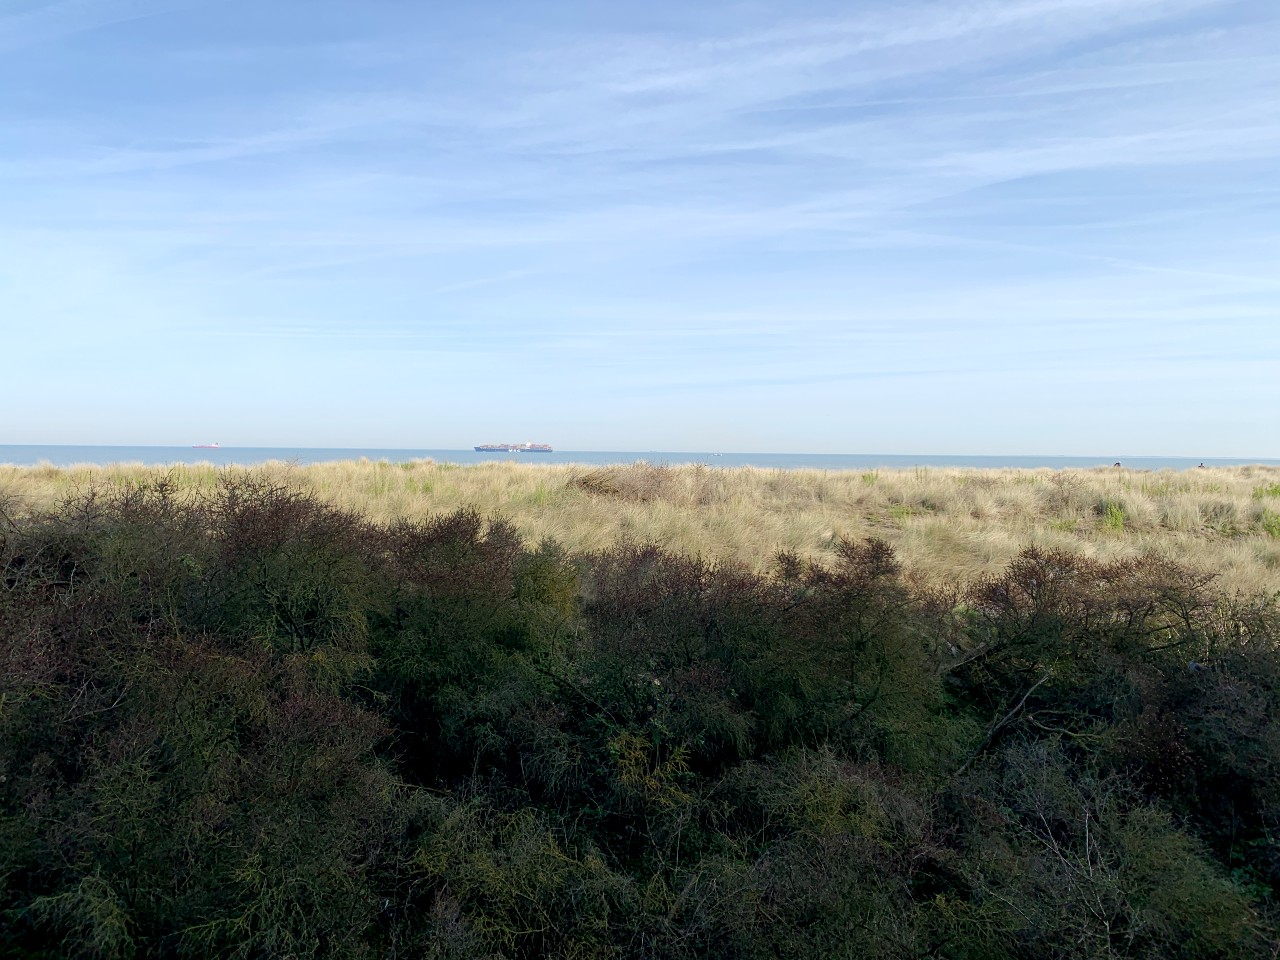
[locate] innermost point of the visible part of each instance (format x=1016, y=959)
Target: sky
x=1042, y=227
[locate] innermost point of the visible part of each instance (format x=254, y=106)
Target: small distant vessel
x=529, y=447
x=205, y=446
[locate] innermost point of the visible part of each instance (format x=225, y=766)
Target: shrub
x=1086, y=869
x=290, y=573
x=240, y=722
x=1113, y=515
x=1271, y=523
x=640, y=482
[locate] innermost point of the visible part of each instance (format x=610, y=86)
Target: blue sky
x=996, y=227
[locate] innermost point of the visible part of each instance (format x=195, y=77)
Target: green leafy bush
x=244, y=723
x=1113, y=515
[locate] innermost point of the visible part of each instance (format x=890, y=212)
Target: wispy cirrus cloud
x=700, y=195
x=45, y=22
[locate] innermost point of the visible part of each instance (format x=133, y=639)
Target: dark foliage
x=252, y=725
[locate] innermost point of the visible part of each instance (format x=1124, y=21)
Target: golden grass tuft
x=945, y=523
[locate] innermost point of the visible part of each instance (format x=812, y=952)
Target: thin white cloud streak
x=46, y=22
x=779, y=64
x=900, y=170
x=575, y=99
x=791, y=50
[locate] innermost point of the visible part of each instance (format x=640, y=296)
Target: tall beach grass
x=946, y=524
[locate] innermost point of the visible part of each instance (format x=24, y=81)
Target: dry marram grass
x=946, y=524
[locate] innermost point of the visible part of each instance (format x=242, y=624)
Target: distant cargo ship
x=205, y=446
x=514, y=448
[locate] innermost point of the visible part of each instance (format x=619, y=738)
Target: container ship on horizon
x=514, y=448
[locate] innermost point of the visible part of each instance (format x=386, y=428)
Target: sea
x=69, y=455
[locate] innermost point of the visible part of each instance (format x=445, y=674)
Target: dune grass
x=946, y=524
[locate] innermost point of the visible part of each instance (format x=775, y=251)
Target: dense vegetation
x=251, y=724
x=947, y=524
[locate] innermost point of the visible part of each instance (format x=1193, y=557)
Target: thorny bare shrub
x=640, y=483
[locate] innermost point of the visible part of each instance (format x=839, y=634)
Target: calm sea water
x=62, y=456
